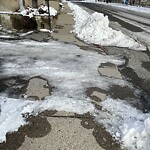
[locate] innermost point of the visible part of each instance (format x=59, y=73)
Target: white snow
x=45, y=30
x=53, y=11
x=27, y=33
x=21, y=5
x=125, y=123
x=65, y=66
x=32, y=11
x=12, y=110
x=94, y=28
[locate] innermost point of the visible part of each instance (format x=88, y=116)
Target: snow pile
x=126, y=124
x=95, y=29
x=67, y=68
x=42, y=10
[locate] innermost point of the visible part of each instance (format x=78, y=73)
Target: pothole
x=96, y=94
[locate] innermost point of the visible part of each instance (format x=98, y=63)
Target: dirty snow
x=94, y=28
x=66, y=67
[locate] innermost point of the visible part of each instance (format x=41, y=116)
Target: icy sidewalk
x=70, y=131
x=79, y=80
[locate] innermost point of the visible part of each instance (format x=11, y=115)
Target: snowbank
x=95, y=29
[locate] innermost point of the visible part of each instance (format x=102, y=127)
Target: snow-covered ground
x=67, y=69
x=124, y=122
x=71, y=71
x=94, y=28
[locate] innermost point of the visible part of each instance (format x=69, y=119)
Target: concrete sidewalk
x=62, y=130
x=62, y=31
x=69, y=131
x=66, y=131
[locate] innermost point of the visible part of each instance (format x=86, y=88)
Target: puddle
x=142, y=83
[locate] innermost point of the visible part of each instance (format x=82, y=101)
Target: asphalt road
x=136, y=25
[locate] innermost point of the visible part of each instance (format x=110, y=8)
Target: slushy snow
x=67, y=69
x=71, y=71
x=94, y=28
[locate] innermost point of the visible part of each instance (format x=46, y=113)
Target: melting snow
x=66, y=67
x=71, y=71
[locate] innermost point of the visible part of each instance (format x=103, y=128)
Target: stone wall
x=31, y=2
x=13, y=5
x=9, y=5
x=19, y=22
